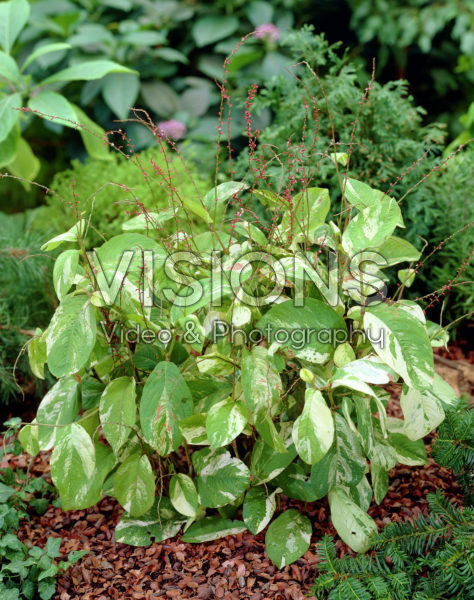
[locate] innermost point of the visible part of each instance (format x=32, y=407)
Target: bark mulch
x=234, y=567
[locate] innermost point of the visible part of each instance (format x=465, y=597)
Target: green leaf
x=72, y=235
x=28, y=437
x=361, y=195
x=369, y=370
x=166, y=400
x=13, y=17
x=343, y=464
x=149, y=220
x=9, y=147
x=225, y=421
x=210, y=29
x=51, y=104
x=86, y=71
x=71, y=336
x=396, y=250
x=120, y=91
x=221, y=478
x=8, y=114
x=8, y=67
x=65, y=269
x=353, y=525
x=295, y=483
x=222, y=193
x=258, y=509
x=73, y=465
x=288, y=537
x=25, y=165
x=379, y=481
x=212, y=528
x=371, y=227
x=60, y=406
x=344, y=355
x=315, y=316
x=409, y=452
x=261, y=383
x=134, y=485
x=401, y=341
x=313, y=430
x=159, y=523
x=118, y=411
x=422, y=411
x=266, y=463
x=310, y=209
x=42, y=50
x=37, y=356
x=193, y=429
x=93, y=136
x=6, y=492
x=183, y=495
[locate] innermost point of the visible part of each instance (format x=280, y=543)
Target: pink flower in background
x=267, y=30
x=173, y=129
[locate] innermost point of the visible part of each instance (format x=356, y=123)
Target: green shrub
x=114, y=191
x=229, y=366
x=388, y=144
x=26, y=301
x=422, y=559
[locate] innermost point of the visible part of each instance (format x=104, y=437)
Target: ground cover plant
x=204, y=371
x=26, y=572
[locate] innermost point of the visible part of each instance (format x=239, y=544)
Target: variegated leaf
x=288, y=537
x=313, y=430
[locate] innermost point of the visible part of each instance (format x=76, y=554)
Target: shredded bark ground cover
x=235, y=567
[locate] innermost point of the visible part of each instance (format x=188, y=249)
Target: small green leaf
x=13, y=17
x=65, y=269
x=8, y=68
x=37, y=355
x=86, y=71
x=225, y=421
x=72, y=235
x=118, y=411
x=354, y=526
x=60, y=406
x=209, y=29
x=183, y=495
x=134, y=485
x=288, y=537
x=313, y=430
x=120, y=91
x=8, y=114
x=42, y=50
x=53, y=107
x=212, y=528
x=258, y=509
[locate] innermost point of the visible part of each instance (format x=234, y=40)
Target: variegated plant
x=221, y=401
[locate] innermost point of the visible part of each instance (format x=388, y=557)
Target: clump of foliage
x=123, y=187
x=454, y=445
x=26, y=301
x=226, y=366
x=422, y=559
x=26, y=571
x=390, y=149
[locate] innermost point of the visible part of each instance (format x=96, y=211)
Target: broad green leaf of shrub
x=42, y=50
x=344, y=462
x=396, y=250
x=372, y=226
x=166, y=400
x=224, y=422
x=314, y=315
x=288, y=537
x=25, y=165
x=120, y=91
x=13, y=17
x=8, y=67
x=403, y=343
x=212, y=528
x=212, y=28
x=72, y=464
x=64, y=271
x=71, y=335
x=379, y=477
x=93, y=136
x=72, y=235
x=310, y=209
x=313, y=430
x=193, y=429
x=353, y=525
x=37, y=355
x=158, y=524
x=9, y=146
x=60, y=406
x=409, y=452
x=8, y=114
x=86, y=71
x=53, y=107
x=422, y=411
x=134, y=485
x=221, y=478
x=118, y=411
x=258, y=508
x=223, y=193
x=266, y=463
x=361, y=195
x=296, y=484
x=183, y=495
